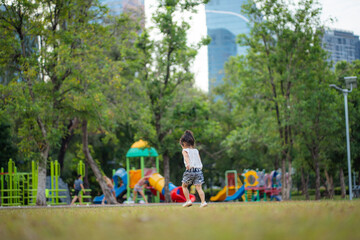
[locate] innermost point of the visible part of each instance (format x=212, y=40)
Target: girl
x=193, y=173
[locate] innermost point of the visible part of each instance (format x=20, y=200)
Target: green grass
x=258, y=220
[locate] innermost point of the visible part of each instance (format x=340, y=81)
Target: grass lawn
x=258, y=220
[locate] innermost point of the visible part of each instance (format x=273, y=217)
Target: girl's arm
x=187, y=160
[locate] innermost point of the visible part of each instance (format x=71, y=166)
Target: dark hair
x=188, y=138
x=147, y=183
x=78, y=176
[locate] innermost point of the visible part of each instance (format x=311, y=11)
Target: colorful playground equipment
x=231, y=189
x=125, y=180
x=20, y=188
x=120, y=184
x=257, y=185
x=141, y=150
x=158, y=182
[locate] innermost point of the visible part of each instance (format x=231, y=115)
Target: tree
x=166, y=66
x=345, y=69
x=280, y=44
x=71, y=46
x=27, y=92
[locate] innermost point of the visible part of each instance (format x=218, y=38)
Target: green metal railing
x=10, y=192
x=53, y=193
x=19, y=188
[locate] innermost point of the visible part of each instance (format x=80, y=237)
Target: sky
x=347, y=13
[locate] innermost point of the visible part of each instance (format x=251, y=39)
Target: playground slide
x=158, y=182
x=118, y=192
x=120, y=173
x=221, y=196
x=236, y=195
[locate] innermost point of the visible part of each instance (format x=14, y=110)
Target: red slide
x=177, y=195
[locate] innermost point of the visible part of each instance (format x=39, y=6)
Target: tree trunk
x=65, y=141
x=288, y=180
x=283, y=178
x=317, y=180
x=329, y=185
x=306, y=190
x=41, y=185
x=167, y=176
x=342, y=183
x=86, y=177
x=276, y=163
x=106, y=191
x=304, y=183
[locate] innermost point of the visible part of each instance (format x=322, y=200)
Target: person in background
x=78, y=186
x=139, y=186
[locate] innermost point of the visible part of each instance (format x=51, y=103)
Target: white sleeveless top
x=194, y=158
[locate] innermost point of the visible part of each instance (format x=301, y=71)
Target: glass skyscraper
x=343, y=45
x=224, y=22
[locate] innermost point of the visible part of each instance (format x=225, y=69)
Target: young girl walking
x=193, y=173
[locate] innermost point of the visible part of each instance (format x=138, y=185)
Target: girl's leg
x=185, y=191
x=134, y=196
x=143, y=195
x=201, y=192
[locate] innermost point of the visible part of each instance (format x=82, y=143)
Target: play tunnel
x=158, y=182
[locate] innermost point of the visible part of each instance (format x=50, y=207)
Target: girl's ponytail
x=188, y=138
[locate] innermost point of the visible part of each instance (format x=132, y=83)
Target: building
x=117, y=7
x=224, y=23
x=342, y=45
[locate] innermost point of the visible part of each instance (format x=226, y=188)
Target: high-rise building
x=224, y=23
x=342, y=45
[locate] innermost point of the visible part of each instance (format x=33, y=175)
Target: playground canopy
x=141, y=149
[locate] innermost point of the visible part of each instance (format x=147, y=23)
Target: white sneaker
x=187, y=204
x=204, y=204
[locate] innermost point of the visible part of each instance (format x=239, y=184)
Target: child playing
x=78, y=185
x=139, y=188
x=193, y=173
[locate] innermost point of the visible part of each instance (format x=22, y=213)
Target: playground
x=256, y=220
x=20, y=188
x=142, y=162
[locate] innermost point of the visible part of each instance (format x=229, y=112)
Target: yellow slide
x=221, y=196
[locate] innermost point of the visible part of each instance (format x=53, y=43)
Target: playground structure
x=120, y=184
x=232, y=186
x=129, y=177
x=141, y=149
x=20, y=188
x=257, y=185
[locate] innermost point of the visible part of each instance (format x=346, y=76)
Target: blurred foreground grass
x=262, y=220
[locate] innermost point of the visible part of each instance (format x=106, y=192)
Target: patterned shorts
x=191, y=177
x=137, y=188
